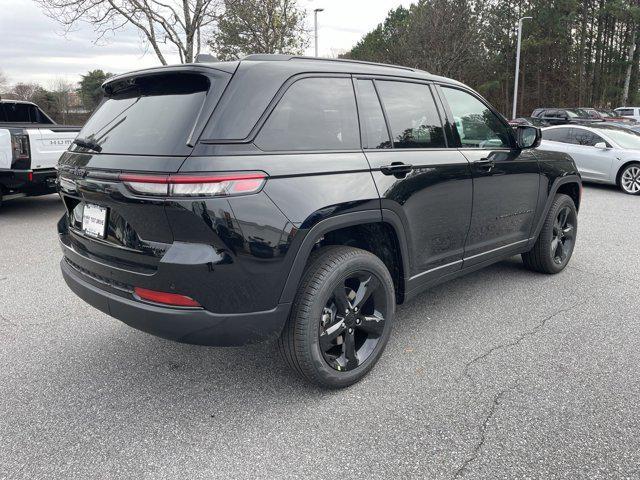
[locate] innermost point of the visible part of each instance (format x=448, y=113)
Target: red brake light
x=20, y=147
x=195, y=185
x=165, y=298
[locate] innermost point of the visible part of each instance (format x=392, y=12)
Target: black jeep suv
x=299, y=199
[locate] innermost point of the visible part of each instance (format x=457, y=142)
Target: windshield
x=625, y=138
x=576, y=112
x=151, y=115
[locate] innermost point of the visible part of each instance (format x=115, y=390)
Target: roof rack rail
x=282, y=58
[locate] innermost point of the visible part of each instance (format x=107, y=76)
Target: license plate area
x=94, y=220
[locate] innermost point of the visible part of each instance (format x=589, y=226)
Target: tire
x=629, y=179
x=320, y=341
x=554, y=246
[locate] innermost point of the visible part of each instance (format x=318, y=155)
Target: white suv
x=631, y=112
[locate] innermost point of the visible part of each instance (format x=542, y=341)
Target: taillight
x=210, y=185
x=165, y=298
x=20, y=147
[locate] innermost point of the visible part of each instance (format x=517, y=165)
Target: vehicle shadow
x=138, y=365
x=41, y=206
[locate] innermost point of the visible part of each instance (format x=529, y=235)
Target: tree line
x=574, y=53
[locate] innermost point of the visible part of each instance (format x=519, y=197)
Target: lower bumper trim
x=198, y=327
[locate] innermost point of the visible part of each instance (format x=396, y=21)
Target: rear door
x=426, y=183
x=505, y=178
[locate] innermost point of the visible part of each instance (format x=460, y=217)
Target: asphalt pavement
x=502, y=374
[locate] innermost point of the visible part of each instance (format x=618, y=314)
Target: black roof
x=240, y=108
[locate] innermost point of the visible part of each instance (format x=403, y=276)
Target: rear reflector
x=195, y=185
x=165, y=298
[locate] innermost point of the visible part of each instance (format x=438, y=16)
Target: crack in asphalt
x=496, y=399
x=519, y=339
x=7, y=321
x=493, y=408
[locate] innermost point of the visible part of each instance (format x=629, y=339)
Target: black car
x=529, y=121
x=299, y=199
x=561, y=116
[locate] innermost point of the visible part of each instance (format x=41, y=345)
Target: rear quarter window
x=313, y=114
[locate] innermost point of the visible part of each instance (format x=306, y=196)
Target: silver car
x=603, y=153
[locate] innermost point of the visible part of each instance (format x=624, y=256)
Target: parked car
x=561, y=116
x=607, y=115
x=603, y=153
x=529, y=121
x=234, y=202
x=629, y=112
x=30, y=145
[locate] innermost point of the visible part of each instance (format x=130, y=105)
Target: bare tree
x=176, y=22
x=25, y=91
x=61, y=91
x=3, y=81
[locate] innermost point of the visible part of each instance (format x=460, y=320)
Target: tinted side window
x=557, y=135
x=313, y=114
x=412, y=115
x=371, y=117
x=476, y=125
x=625, y=112
x=586, y=138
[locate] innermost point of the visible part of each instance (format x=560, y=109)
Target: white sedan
x=603, y=153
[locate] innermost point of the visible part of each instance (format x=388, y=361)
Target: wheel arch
x=332, y=230
x=566, y=185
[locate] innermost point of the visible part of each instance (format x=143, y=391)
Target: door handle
x=485, y=164
x=397, y=169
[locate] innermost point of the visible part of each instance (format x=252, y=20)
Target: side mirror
x=601, y=145
x=528, y=136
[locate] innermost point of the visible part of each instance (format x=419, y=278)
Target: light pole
x=315, y=26
x=515, y=87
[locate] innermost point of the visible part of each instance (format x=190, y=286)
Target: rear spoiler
x=226, y=67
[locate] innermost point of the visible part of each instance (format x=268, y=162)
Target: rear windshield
x=22, y=113
x=150, y=115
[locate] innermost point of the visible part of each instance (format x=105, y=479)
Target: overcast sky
x=33, y=49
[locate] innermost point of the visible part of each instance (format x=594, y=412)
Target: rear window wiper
x=86, y=143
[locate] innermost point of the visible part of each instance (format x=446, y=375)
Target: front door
x=594, y=163
x=425, y=183
x=505, y=178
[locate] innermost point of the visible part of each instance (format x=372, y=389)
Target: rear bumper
x=194, y=326
x=34, y=182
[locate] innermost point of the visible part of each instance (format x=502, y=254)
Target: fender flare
x=553, y=190
x=333, y=223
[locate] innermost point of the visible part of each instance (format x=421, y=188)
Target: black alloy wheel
x=563, y=238
x=341, y=317
x=352, y=321
x=555, y=243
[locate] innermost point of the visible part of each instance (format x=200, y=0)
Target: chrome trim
x=496, y=249
x=72, y=250
x=435, y=269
